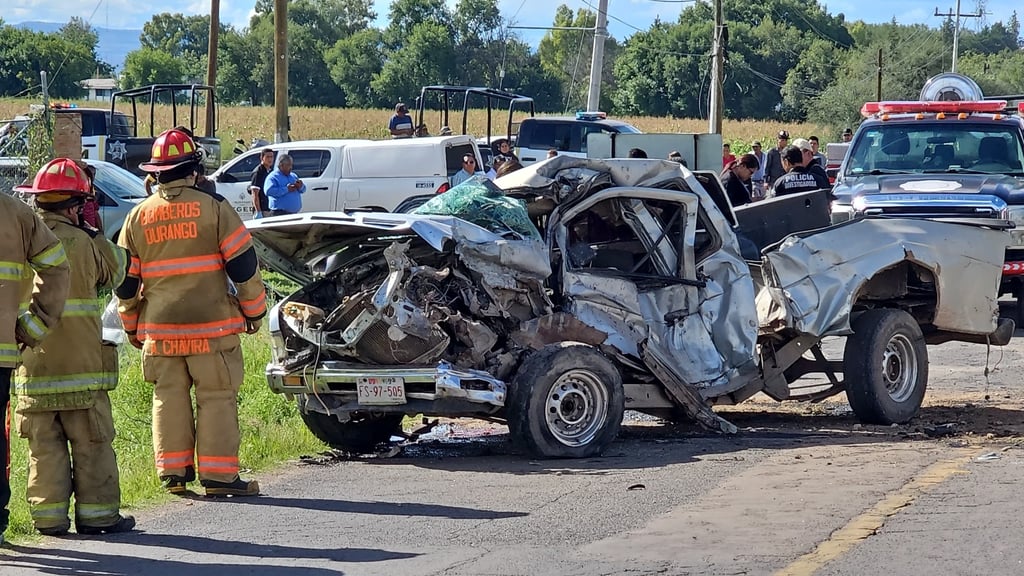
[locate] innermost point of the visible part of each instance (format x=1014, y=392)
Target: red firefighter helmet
x=171, y=149
x=58, y=183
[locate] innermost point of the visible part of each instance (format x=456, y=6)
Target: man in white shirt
x=757, y=187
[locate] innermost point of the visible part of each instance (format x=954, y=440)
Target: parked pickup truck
x=635, y=296
x=376, y=175
x=952, y=153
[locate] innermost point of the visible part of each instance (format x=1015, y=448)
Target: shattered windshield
x=937, y=147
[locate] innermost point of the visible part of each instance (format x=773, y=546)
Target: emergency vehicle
x=952, y=153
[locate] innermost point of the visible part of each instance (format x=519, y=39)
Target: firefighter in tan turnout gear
x=185, y=245
x=62, y=383
x=26, y=244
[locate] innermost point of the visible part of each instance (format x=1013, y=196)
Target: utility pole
x=717, y=103
x=211, y=65
x=878, y=79
x=956, y=28
x=281, y=70
x=597, y=58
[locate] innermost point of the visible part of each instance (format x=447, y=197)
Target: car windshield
x=936, y=147
x=627, y=129
x=119, y=182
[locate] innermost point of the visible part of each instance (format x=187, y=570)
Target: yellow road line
x=867, y=524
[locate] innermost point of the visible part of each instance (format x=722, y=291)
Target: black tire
x=885, y=367
x=562, y=379
x=1018, y=295
x=360, y=434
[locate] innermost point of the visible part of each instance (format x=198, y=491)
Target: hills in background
x=114, y=44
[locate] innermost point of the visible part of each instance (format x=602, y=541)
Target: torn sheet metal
x=812, y=280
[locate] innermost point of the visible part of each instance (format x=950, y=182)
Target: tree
x=426, y=57
x=151, y=66
x=405, y=15
x=354, y=61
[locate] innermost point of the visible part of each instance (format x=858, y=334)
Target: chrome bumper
x=421, y=383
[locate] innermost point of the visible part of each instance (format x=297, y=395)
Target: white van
x=346, y=175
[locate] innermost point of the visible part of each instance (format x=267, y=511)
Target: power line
x=613, y=17
x=67, y=53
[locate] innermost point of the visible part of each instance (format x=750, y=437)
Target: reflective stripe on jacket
x=185, y=246
x=69, y=360
x=28, y=245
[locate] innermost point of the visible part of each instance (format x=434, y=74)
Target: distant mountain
x=113, y=46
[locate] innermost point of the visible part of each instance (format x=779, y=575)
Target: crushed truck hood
x=293, y=245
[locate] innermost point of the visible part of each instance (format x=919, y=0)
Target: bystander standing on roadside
x=260, y=202
x=773, y=167
x=727, y=156
x=400, y=125
x=637, y=153
x=816, y=149
x=284, y=188
x=757, y=187
x=847, y=134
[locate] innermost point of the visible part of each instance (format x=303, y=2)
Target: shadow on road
x=217, y=546
x=80, y=563
x=655, y=443
x=378, y=508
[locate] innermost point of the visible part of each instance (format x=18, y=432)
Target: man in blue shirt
x=400, y=125
x=468, y=168
x=284, y=188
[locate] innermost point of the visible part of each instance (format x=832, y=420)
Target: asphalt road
x=801, y=490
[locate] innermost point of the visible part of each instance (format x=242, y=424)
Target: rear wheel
x=885, y=367
x=566, y=401
x=360, y=434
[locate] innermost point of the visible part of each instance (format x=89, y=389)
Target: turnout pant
x=5, y=446
x=210, y=437
x=88, y=470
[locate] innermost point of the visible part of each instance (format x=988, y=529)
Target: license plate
x=381, y=391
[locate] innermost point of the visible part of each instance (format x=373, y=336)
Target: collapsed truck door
x=629, y=269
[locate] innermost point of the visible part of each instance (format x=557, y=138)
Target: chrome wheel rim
x=577, y=407
x=899, y=368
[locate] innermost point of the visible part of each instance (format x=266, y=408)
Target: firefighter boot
x=237, y=488
x=177, y=484
x=123, y=524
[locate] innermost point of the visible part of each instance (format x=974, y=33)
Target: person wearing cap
x=401, y=123
x=810, y=164
x=757, y=187
x=30, y=250
x=773, y=169
x=202, y=289
x=847, y=134
x=736, y=179
x=445, y=131
x=62, y=385
x=797, y=177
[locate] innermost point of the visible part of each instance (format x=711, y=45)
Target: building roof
x=99, y=83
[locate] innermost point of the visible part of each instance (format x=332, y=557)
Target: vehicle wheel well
x=908, y=286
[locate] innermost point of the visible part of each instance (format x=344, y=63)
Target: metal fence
x=13, y=152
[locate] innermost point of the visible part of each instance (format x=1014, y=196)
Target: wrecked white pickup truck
x=636, y=296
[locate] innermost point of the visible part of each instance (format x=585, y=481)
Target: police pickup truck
x=953, y=153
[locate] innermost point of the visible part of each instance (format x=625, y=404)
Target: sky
x=624, y=15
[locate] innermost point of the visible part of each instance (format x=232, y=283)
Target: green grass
x=272, y=433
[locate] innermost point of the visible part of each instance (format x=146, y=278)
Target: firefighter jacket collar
x=173, y=188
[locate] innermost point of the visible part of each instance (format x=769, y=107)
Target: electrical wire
x=572, y=84
x=67, y=54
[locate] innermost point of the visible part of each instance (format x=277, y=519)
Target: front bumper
x=423, y=383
